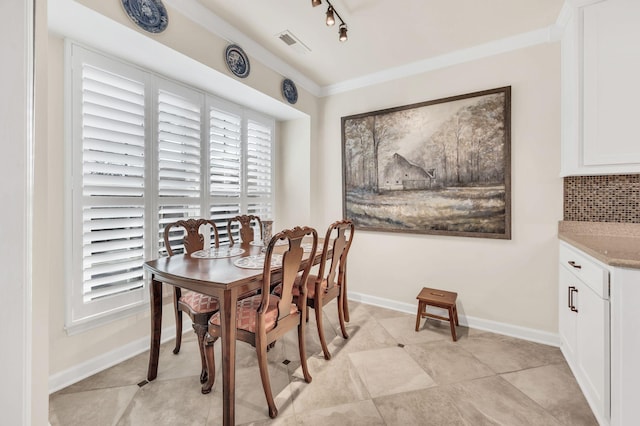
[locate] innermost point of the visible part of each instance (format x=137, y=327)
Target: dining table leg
x=228, y=342
x=156, y=327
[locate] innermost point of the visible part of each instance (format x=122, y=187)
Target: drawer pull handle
x=572, y=289
x=574, y=264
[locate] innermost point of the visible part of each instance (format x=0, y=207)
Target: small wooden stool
x=440, y=299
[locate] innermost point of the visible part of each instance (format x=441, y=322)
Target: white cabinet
x=584, y=326
x=600, y=88
x=625, y=346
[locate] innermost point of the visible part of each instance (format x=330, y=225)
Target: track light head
x=331, y=20
x=343, y=33
x=332, y=14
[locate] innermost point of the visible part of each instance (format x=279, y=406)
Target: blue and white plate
x=289, y=91
x=150, y=15
x=237, y=61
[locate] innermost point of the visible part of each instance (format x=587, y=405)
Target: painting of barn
x=437, y=167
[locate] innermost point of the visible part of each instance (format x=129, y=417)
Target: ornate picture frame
x=437, y=167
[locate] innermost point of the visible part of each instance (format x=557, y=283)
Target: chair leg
x=201, y=331
x=318, y=310
x=207, y=345
x=345, y=301
x=178, y=314
x=341, y=316
x=261, y=351
x=303, y=352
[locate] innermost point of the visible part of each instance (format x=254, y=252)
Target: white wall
x=24, y=301
x=512, y=282
x=16, y=193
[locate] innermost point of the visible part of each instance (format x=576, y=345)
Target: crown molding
x=520, y=41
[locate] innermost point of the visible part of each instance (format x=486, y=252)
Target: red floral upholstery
x=311, y=287
x=246, y=316
x=198, y=302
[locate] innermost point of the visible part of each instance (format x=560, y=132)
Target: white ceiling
x=383, y=34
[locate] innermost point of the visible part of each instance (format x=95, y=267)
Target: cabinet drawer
x=588, y=271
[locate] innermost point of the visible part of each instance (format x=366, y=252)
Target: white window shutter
x=258, y=159
x=259, y=171
x=109, y=152
x=225, y=153
x=179, y=156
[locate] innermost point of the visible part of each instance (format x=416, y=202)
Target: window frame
x=80, y=316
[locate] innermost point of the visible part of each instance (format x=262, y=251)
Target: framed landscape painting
x=436, y=167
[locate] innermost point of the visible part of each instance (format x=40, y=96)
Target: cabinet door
x=592, y=346
x=566, y=317
x=611, y=66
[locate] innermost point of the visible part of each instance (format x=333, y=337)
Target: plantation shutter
x=259, y=166
x=109, y=148
x=225, y=165
x=180, y=168
x=225, y=153
x=178, y=146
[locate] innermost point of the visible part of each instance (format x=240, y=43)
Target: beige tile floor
x=384, y=374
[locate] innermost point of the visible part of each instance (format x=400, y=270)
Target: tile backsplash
x=610, y=198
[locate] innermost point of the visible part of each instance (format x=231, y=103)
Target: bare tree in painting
x=359, y=140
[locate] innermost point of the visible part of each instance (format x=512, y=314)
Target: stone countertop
x=615, y=244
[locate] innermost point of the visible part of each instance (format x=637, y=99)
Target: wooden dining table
x=217, y=277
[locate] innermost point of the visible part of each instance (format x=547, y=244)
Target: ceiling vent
x=293, y=42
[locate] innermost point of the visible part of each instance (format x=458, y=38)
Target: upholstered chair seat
x=246, y=316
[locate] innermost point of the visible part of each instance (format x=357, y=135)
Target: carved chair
x=198, y=306
x=246, y=228
x=265, y=317
x=330, y=282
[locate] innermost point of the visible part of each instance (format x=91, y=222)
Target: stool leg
x=452, y=323
x=455, y=309
x=420, y=309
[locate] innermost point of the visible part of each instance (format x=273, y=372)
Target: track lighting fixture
x=343, y=33
x=330, y=20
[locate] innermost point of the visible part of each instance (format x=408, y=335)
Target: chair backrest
x=292, y=259
x=338, y=238
x=246, y=227
x=193, y=240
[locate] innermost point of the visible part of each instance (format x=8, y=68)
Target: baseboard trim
x=530, y=334
x=95, y=365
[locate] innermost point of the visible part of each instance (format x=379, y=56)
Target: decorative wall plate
x=289, y=91
x=237, y=61
x=150, y=15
